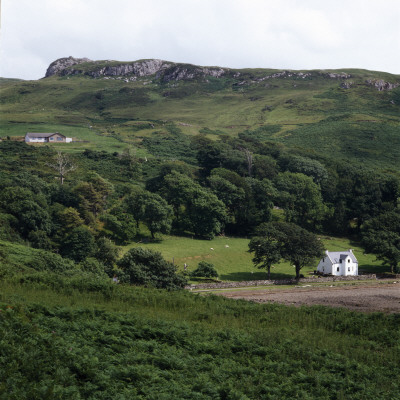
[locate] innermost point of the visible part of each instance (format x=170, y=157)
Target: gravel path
x=383, y=297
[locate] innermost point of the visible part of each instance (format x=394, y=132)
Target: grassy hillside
x=68, y=332
x=314, y=112
x=71, y=339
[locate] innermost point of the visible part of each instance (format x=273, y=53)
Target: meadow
x=233, y=261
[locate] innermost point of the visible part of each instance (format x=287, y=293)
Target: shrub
x=205, y=270
x=145, y=267
x=93, y=266
x=47, y=261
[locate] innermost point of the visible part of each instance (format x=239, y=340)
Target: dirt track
x=383, y=297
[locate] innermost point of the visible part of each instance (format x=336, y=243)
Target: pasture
x=233, y=261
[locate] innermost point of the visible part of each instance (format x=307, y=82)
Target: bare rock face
x=56, y=67
x=336, y=75
x=187, y=72
x=138, y=69
x=380, y=84
x=346, y=84
x=163, y=70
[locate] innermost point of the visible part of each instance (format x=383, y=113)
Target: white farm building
x=338, y=263
x=55, y=137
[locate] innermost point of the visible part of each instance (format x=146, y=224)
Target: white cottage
x=33, y=137
x=338, y=263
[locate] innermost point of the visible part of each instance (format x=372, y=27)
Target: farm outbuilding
x=338, y=263
x=55, y=137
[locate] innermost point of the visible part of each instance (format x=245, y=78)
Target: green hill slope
x=70, y=339
x=352, y=114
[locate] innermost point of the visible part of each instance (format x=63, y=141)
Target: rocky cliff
x=166, y=71
x=57, y=67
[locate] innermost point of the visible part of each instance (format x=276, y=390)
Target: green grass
x=234, y=263
x=122, y=113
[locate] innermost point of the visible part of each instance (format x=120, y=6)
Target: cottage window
x=348, y=260
x=338, y=268
x=51, y=138
x=59, y=139
x=348, y=269
x=340, y=261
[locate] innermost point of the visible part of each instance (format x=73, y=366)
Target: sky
x=281, y=34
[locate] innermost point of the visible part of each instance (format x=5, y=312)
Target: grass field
x=233, y=263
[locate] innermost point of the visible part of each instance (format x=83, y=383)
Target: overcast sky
x=284, y=34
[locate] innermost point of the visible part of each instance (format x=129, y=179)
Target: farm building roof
x=42, y=135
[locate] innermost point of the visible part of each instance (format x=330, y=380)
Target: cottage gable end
x=338, y=263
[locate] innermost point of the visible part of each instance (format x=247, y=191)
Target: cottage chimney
x=351, y=250
x=326, y=252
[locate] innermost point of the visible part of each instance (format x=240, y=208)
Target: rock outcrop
x=60, y=65
x=166, y=71
x=381, y=85
x=138, y=69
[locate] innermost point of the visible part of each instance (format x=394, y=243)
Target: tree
x=70, y=218
x=249, y=159
x=206, y=213
x=266, y=246
x=107, y=253
x=301, y=199
x=29, y=210
x=62, y=164
x=205, y=270
x=231, y=195
x=259, y=203
x=40, y=240
x=366, y=198
x=119, y=225
x=381, y=236
x=306, y=166
x=196, y=208
x=264, y=167
x=300, y=247
x=93, y=195
x=157, y=214
x=145, y=267
x=151, y=209
x=78, y=245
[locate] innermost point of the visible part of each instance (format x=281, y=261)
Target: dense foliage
x=75, y=338
x=238, y=185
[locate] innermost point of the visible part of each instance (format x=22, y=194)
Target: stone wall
x=313, y=279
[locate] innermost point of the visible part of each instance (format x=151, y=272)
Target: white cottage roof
x=336, y=256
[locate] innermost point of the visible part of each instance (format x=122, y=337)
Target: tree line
x=236, y=186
